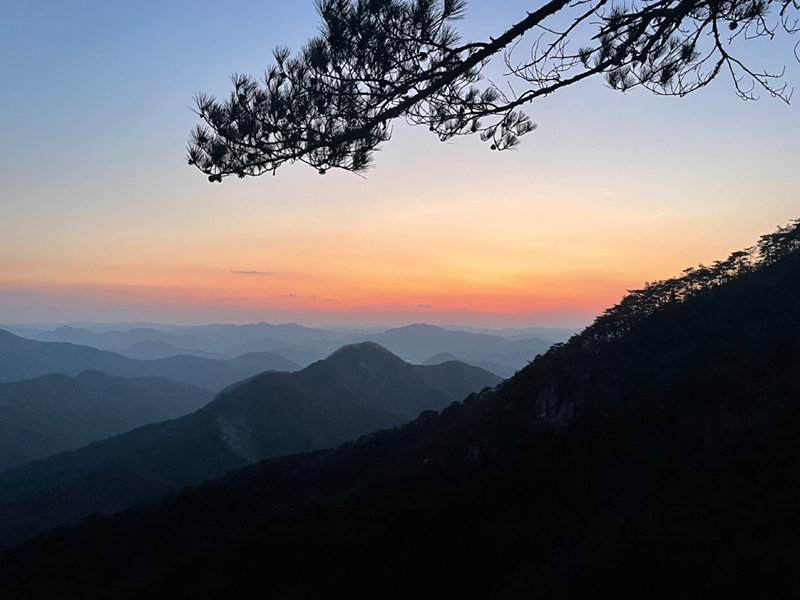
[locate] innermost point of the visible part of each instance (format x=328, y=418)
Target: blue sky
x=101, y=218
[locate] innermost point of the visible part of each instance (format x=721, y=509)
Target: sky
x=101, y=218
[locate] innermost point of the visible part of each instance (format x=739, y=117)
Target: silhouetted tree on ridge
x=618, y=320
x=375, y=61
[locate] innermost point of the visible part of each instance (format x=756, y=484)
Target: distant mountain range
x=304, y=345
x=356, y=390
x=555, y=334
x=56, y=413
x=27, y=359
x=505, y=361
x=155, y=349
x=118, y=340
x=492, y=367
x=656, y=455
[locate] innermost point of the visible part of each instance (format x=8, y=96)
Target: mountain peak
x=684, y=459
x=361, y=351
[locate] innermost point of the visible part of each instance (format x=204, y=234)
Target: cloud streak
x=250, y=272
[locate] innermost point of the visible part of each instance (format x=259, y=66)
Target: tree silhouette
x=375, y=61
x=618, y=320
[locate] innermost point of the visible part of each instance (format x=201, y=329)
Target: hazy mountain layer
x=356, y=390
x=504, y=362
x=237, y=335
x=27, y=359
x=493, y=367
x=304, y=345
x=154, y=350
x=56, y=413
x=418, y=342
x=556, y=334
x=118, y=340
x=660, y=462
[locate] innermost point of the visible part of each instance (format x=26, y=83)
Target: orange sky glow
x=101, y=219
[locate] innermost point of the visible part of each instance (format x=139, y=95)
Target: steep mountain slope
x=27, y=359
x=356, y=390
x=56, y=413
x=656, y=455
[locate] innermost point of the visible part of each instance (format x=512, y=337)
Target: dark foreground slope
x=27, y=359
x=662, y=463
x=356, y=390
x=56, y=413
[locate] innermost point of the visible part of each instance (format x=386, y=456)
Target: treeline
x=618, y=320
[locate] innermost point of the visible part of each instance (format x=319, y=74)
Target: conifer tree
x=374, y=61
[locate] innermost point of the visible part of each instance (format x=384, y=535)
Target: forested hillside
x=356, y=390
x=56, y=413
x=656, y=455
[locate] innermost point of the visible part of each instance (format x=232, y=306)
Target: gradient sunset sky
x=101, y=219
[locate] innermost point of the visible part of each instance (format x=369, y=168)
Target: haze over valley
x=501, y=351
x=400, y=299
x=97, y=417
x=681, y=400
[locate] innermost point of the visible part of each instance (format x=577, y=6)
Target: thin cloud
x=250, y=272
x=296, y=296
x=423, y=305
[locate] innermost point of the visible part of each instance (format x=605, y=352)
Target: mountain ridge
x=22, y=358
x=654, y=455
x=416, y=342
x=56, y=413
x=357, y=390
